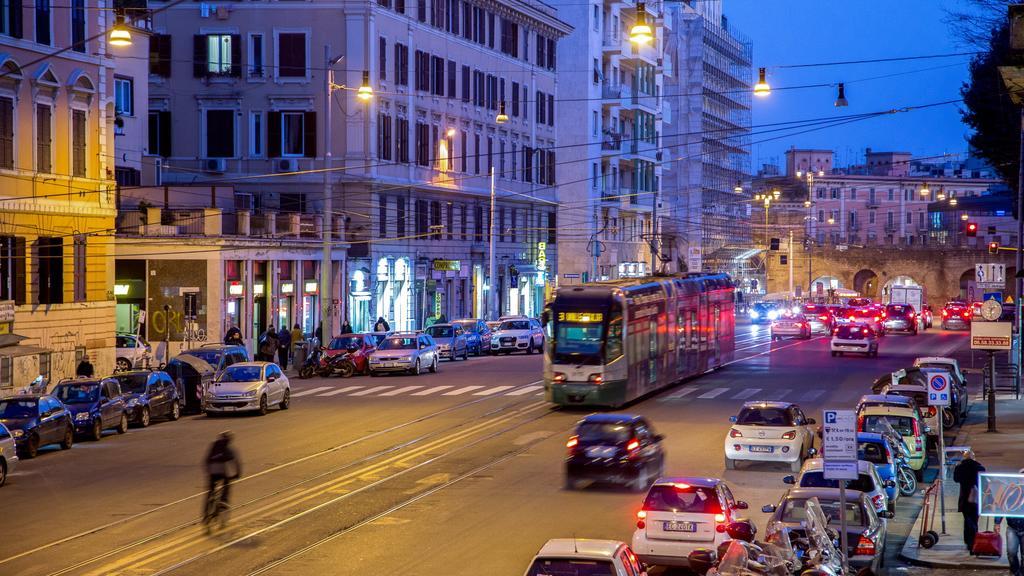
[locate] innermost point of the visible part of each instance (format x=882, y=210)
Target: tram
x=608, y=343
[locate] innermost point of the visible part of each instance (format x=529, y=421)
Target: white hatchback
x=683, y=514
x=769, y=432
x=868, y=481
x=585, y=556
x=855, y=338
x=248, y=387
x=8, y=454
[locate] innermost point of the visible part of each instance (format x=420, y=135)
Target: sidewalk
x=995, y=452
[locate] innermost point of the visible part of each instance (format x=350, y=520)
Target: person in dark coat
x=284, y=343
x=233, y=336
x=320, y=333
x=85, y=368
x=222, y=464
x=346, y=328
x=269, y=345
x=966, y=475
x=381, y=325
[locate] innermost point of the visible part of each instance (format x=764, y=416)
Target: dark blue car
x=37, y=420
x=148, y=395
x=96, y=404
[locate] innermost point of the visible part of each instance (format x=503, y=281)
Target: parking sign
x=938, y=389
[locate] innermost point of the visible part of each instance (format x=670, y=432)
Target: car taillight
x=641, y=515
x=931, y=412
x=865, y=547
x=558, y=378
x=595, y=378
x=945, y=313
x=719, y=518
x=823, y=318
x=572, y=444
x=966, y=315
x=917, y=428
x=877, y=318
x=852, y=317
x=734, y=433
x=633, y=445
x=789, y=435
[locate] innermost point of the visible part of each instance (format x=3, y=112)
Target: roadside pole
x=938, y=398
x=839, y=452
x=991, y=336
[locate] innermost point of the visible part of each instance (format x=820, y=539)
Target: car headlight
x=135, y=402
x=773, y=315
x=249, y=394
x=17, y=433
x=82, y=416
x=755, y=314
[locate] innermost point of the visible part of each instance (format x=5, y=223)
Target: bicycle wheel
x=906, y=481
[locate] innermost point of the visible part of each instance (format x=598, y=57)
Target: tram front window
x=578, y=343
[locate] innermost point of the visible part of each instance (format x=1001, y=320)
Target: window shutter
x=165, y=132
x=551, y=167
x=15, y=18
x=164, y=54
x=19, y=267
x=309, y=131
x=274, y=134
x=199, y=56
x=236, y=55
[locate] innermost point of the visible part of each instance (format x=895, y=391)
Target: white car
x=769, y=432
x=249, y=386
x=132, y=352
x=683, y=514
x=812, y=475
x=943, y=363
x=8, y=454
x=585, y=556
x=790, y=324
x=517, y=334
x=856, y=339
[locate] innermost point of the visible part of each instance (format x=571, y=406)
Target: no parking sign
x=938, y=389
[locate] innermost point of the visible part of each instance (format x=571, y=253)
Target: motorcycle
x=313, y=359
x=339, y=364
x=745, y=556
x=38, y=386
x=905, y=478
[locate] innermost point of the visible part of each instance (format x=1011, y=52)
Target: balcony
x=611, y=142
x=215, y=222
x=616, y=94
x=611, y=45
x=853, y=226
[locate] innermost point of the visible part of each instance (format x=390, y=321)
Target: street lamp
x=364, y=93
x=924, y=190
x=119, y=34
x=641, y=32
x=762, y=88
x=501, y=118
x=841, y=98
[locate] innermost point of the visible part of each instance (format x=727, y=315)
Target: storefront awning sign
x=311, y=287
x=542, y=256
x=287, y=287
x=236, y=288
x=447, y=265
x=258, y=289
x=121, y=289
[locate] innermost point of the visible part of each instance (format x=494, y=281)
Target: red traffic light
x=993, y=247
x=972, y=228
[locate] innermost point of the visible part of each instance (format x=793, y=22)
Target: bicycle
x=217, y=509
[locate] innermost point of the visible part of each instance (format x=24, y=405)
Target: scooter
x=313, y=359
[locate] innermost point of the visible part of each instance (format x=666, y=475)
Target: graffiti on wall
x=176, y=300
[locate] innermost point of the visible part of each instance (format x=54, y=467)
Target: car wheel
x=122, y=365
x=730, y=464
x=31, y=447
x=416, y=368
x=374, y=374
x=465, y=353
x=529, y=349
x=433, y=367
x=97, y=430
x=263, y=405
x=919, y=474
x=3, y=472
x=122, y=425
x=144, y=419
x=175, y=411
x=286, y=400
x=69, y=438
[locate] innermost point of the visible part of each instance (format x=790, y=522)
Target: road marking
x=524, y=390
x=494, y=390
x=682, y=393
x=341, y=390
x=310, y=391
x=371, y=390
x=714, y=392
x=744, y=394
x=431, y=390
x=812, y=395
x=462, y=390
x=400, y=390
x=778, y=394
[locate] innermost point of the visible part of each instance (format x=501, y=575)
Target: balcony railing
x=214, y=222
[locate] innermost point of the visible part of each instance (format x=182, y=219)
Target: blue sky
x=810, y=31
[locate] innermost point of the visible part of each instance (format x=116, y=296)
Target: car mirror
x=811, y=421
x=741, y=505
x=732, y=419
x=768, y=508
x=789, y=480
x=271, y=378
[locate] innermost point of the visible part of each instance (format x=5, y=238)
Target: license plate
x=600, y=451
x=768, y=449
x=680, y=527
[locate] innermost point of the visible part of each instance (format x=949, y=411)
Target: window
x=50, y=278
x=382, y=55
x=476, y=154
x=871, y=217
x=910, y=217
x=421, y=217
x=44, y=138
x=891, y=195
x=464, y=143
x=478, y=223
x=256, y=134
x=422, y=144
x=256, y=56
x=437, y=84
x=515, y=99
x=451, y=220
x=552, y=227
x=401, y=65
x=78, y=136
x=422, y=71
x=78, y=43
x=80, y=267
x=291, y=134
x=220, y=54
x=160, y=55
x=12, y=269
x=400, y=217
x=124, y=96
x=11, y=18
x=596, y=19
x=160, y=133
x=551, y=109
x=501, y=224
x=541, y=108
x=465, y=84
x=6, y=134
x=451, y=79
x=43, y=22
x=291, y=55
x=853, y=193
x=463, y=223
x=402, y=140
x=7, y=366
x=513, y=230
x=382, y=218
x=597, y=72
x=889, y=221
x=383, y=136
x=220, y=133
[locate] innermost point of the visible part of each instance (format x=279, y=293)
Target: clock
x=991, y=310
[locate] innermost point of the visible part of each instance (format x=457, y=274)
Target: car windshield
x=515, y=325
x=682, y=498
x=133, y=383
x=19, y=408
x=897, y=310
x=73, y=393
x=816, y=479
x=346, y=342
x=764, y=416
x=815, y=309
x=441, y=331
x=604, y=432
x=398, y=344
x=762, y=307
x=211, y=357
x=903, y=425
x=873, y=452
x=242, y=374
x=468, y=326
x=570, y=567
x=858, y=302
x=795, y=511
x=853, y=332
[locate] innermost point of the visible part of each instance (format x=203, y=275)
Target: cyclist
x=222, y=466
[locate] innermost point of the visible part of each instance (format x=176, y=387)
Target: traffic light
x=773, y=244
x=972, y=229
x=993, y=247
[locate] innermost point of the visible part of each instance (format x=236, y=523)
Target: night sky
x=786, y=32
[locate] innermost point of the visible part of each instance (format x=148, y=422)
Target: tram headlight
x=595, y=379
x=558, y=377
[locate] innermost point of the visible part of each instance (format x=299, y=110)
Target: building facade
x=610, y=117
x=56, y=190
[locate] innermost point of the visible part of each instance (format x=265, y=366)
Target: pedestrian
x=346, y=328
x=381, y=325
x=85, y=368
x=320, y=333
x=1014, y=537
x=268, y=345
x=233, y=336
x=298, y=340
x=442, y=319
x=284, y=344
x=966, y=475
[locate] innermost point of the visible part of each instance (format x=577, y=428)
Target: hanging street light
x=841, y=98
x=738, y=188
x=762, y=88
x=641, y=32
x=365, y=93
x=501, y=118
x=924, y=190
x=119, y=34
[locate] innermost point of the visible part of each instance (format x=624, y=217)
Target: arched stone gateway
x=866, y=282
x=897, y=281
x=965, y=283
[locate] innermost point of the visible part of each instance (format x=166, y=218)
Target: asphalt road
x=452, y=473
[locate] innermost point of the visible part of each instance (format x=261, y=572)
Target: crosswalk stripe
x=430, y=390
x=714, y=392
x=812, y=395
x=310, y=391
x=371, y=390
x=400, y=390
x=341, y=390
x=681, y=393
x=780, y=394
x=524, y=390
x=494, y=390
x=743, y=394
x=462, y=390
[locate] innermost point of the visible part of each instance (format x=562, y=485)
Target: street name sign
x=938, y=389
x=991, y=335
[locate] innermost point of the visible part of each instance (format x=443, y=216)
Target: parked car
x=855, y=338
x=956, y=316
x=35, y=421
x=618, y=448
x=585, y=557
x=356, y=347
x=874, y=413
x=478, y=334
x=865, y=529
x=790, y=324
x=8, y=454
x=132, y=352
x=812, y=475
x=875, y=448
x=148, y=395
x=769, y=432
x=249, y=387
x=918, y=378
x=517, y=334
x=96, y=404
x=194, y=370
x=451, y=341
x=404, y=352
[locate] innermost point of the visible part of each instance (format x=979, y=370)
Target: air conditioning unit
x=286, y=165
x=216, y=165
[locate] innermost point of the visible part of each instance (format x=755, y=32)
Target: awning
x=17, y=351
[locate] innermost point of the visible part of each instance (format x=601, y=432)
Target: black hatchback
x=148, y=395
x=616, y=448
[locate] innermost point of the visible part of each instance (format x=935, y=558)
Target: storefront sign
x=447, y=265
x=311, y=287
x=236, y=288
x=7, y=311
x=258, y=289
x=542, y=256
x=1001, y=495
x=287, y=287
x=437, y=303
x=121, y=289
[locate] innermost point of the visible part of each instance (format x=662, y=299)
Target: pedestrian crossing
x=364, y=391
x=723, y=393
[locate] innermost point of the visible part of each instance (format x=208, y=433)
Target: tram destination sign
x=583, y=317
